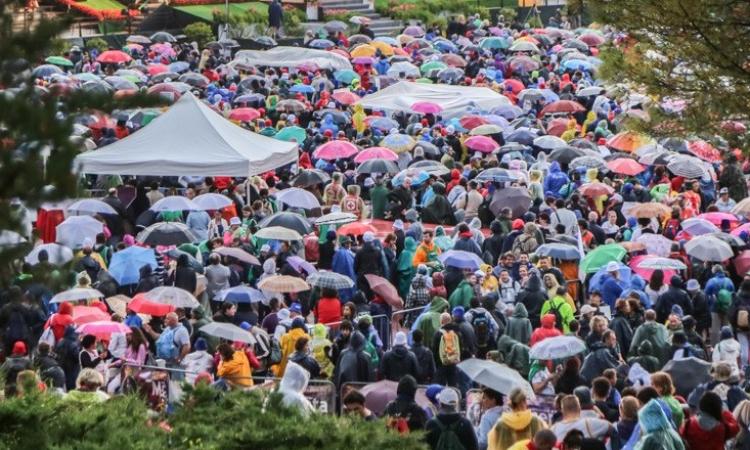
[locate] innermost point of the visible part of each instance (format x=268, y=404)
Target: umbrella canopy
x=482, y=144
x=174, y=203
x=244, y=114
x=486, y=130
x=704, y=151
x=242, y=294
x=600, y=256
x=10, y=238
x=709, y=248
x=461, y=259
x=330, y=280
x=76, y=295
x=515, y=198
x=56, y=253
x=141, y=305
x=656, y=244
x=566, y=155
x=345, y=97
x=375, y=153
x=310, y=177
x=336, y=218
x=297, y=198
x=113, y=57
x=562, y=107
x=588, y=162
x=126, y=264
x=660, y=263
x=162, y=37
x=300, y=265
x=627, y=141
x=548, y=142
x=565, y=252
x=558, y=347
x=524, y=46
x=166, y=233
x=228, y=331
x=90, y=206
x=291, y=221
x=625, y=166
x=170, y=295
x=212, y=201
x=238, y=254
x=385, y=290
x=498, y=377
x=497, y=175
x=74, y=231
x=59, y=61
x=595, y=189
x=378, y=166
x=378, y=395
x=87, y=314
x=742, y=208
x=688, y=373
x=335, y=150
x=697, y=226
x=103, y=329
x=398, y=142
x=717, y=218
x=291, y=134
x=278, y=233
x=648, y=210
x=686, y=166
x=426, y=107
x=355, y=229
x=283, y=284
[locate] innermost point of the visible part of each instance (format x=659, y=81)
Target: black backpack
x=555, y=309
x=481, y=325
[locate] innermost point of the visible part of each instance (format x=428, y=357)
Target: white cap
x=369, y=182
x=448, y=396
x=369, y=236
x=612, y=266
x=479, y=274
x=400, y=338
x=398, y=224
x=265, y=248
x=235, y=221
x=586, y=309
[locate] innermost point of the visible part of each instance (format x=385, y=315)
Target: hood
x=646, y=349
x=637, y=282
x=295, y=378
x=496, y=227
x=534, y=284
x=438, y=305
x=410, y=244
x=548, y=321
x=505, y=343
x=438, y=279
x=65, y=308
x=357, y=341
x=145, y=271
x=319, y=331
x=652, y=418
x=520, y=312
x=400, y=351
x=455, y=174
x=407, y=388
x=439, y=231
x=554, y=167
x=516, y=421
x=438, y=188
x=269, y=266
x=730, y=346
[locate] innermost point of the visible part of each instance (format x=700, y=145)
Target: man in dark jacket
x=183, y=276
x=466, y=241
x=448, y=420
x=354, y=363
x=399, y=360
x=675, y=295
x=492, y=247
x=601, y=357
x=368, y=260
x=148, y=280
x=404, y=411
x=425, y=358
x=275, y=17
x=533, y=297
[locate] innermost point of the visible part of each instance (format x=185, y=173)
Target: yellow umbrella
x=364, y=50
x=384, y=48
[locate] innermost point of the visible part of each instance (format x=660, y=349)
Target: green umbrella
x=132, y=78
x=424, y=81
x=494, y=42
x=268, y=131
x=59, y=61
x=600, y=256
x=432, y=66
x=288, y=134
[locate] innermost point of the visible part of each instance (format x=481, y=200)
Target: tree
x=199, y=32
x=695, y=51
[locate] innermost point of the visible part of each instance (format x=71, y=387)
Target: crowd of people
x=492, y=235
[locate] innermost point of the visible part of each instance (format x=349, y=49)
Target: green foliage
x=199, y=32
x=696, y=51
x=293, y=18
x=429, y=11
x=206, y=420
x=97, y=43
x=338, y=14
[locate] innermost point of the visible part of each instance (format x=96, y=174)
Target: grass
x=206, y=12
x=103, y=4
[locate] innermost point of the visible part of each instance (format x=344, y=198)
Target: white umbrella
x=662, y=264
x=709, y=248
x=76, y=295
x=336, y=218
x=57, y=254
x=90, y=207
x=297, y=198
x=228, y=331
x=10, y=238
x=212, y=201
x=175, y=203
x=169, y=295
x=279, y=234
x=498, y=377
x=697, y=226
x=74, y=231
x=558, y=347
x=656, y=244
x=549, y=142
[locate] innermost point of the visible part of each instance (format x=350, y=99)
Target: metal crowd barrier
x=348, y=387
x=543, y=406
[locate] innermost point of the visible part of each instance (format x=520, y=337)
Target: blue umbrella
x=321, y=43
x=445, y=46
x=578, y=64
x=565, y=252
x=549, y=96
x=242, y=294
x=387, y=39
x=45, y=70
x=417, y=177
x=126, y=264
x=383, y=123
x=250, y=99
x=461, y=259
x=523, y=136
x=497, y=175
x=596, y=282
x=179, y=66
x=508, y=111
x=345, y=76
x=494, y=43
x=303, y=88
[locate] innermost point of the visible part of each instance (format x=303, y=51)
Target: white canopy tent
x=455, y=100
x=291, y=57
x=189, y=139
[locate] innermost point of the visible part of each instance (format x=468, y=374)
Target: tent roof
x=455, y=100
x=189, y=139
x=292, y=57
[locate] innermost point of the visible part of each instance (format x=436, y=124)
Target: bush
x=97, y=43
x=338, y=14
x=199, y=32
x=293, y=18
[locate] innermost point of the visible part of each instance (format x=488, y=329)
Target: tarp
x=189, y=139
x=292, y=57
x=455, y=100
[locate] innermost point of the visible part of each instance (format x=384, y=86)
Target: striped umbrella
x=330, y=280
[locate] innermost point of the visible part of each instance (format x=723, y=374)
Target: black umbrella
x=584, y=143
x=162, y=37
x=675, y=144
x=290, y=220
x=310, y=177
x=166, y=233
x=192, y=262
x=378, y=166
x=338, y=116
x=515, y=198
x=688, y=373
x=564, y=155
x=429, y=148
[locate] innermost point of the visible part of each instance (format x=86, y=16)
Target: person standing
x=449, y=427
x=275, y=18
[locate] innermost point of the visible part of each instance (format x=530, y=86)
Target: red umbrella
x=103, y=329
x=355, y=229
x=562, y=106
x=556, y=127
x=646, y=273
x=717, y=217
x=345, y=97
x=376, y=153
x=625, y=166
x=426, y=108
x=244, y=114
x=742, y=262
x=453, y=60
x=595, y=189
x=482, y=144
x=592, y=39
x=335, y=150
x=114, y=57
x=704, y=151
x=385, y=290
x=141, y=305
x=86, y=314
x=515, y=85
x=473, y=121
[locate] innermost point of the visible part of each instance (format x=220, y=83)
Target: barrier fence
x=382, y=392
x=543, y=406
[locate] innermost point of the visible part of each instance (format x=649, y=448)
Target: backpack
x=449, y=349
x=48, y=337
x=554, y=308
x=371, y=350
x=17, y=329
x=723, y=301
x=743, y=319
x=274, y=356
x=481, y=326
x=166, y=348
x=448, y=439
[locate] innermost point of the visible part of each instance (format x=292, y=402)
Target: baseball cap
x=693, y=285
x=400, y=338
x=586, y=309
x=369, y=236
x=518, y=224
x=296, y=308
x=612, y=267
x=723, y=191
x=398, y=224
x=235, y=221
x=448, y=397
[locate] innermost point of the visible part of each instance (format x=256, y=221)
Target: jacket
x=398, y=362
x=514, y=354
x=533, y=298
x=367, y=260
x=624, y=333
x=462, y=295
x=519, y=325
x=459, y=424
x=547, y=330
x=354, y=363
x=656, y=334
x=555, y=180
x=562, y=305
x=287, y=342
x=596, y=362
x=236, y=370
x=328, y=310
x=429, y=322
x=656, y=430
x=60, y=320
x=674, y=296
x=425, y=363
x=513, y=427
x=468, y=244
x=705, y=432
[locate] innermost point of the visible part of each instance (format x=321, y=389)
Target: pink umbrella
x=375, y=153
x=426, y=108
x=103, y=329
x=472, y=121
x=742, y=262
x=717, y=217
x=244, y=114
x=164, y=49
x=385, y=290
x=363, y=60
x=646, y=273
x=495, y=31
x=656, y=244
x=335, y=150
x=155, y=69
x=482, y=144
x=625, y=166
x=737, y=231
x=86, y=314
x=345, y=97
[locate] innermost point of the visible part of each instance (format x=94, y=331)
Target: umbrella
x=595, y=189
x=300, y=265
x=86, y=314
x=228, y=331
x=355, y=229
x=460, y=259
x=717, y=218
x=162, y=37
x=656, y=244
x=335, y=150
x=241, y=294
x=170, y=295
x=212, y=201
x=382, y=123
x=704, y=151
x=733, y=241
x=709, y=248
x=45, y=71
x=113, y=57
x=742, y=208
x=141, y=305
x=555, y=348
x=138, y=39
x=174, y=203
x=482, y=144
x=10, y=238
x=418, y=176
x=648, y=210
x=238, y=254
x=426, y=108
x=627, y=141
x=126, y=264
x=283, y=284
x=600, y=256
x=292, y=134
x=515, y=198
x=592, y=39
x=378, y=395
x=590, y=91
x=625, y=166
x=345, y=97
x=385, y=290
x=90, y=206
x=645, y=273
x=398, y=142
x=498, y=175
x=742, y=262
x=297, y=198
x=432, y=67
x=176, y=253
x=450, y=75
x=288, y=220
x=378, y=166
x=498, y=377
x=431, y=167
x=244, y=114
x=76, y=295
x=494, y=43
x=485, y=130
x=524, y=46
x=375, y=153
x=103, y=329
x=565, y=252
x=303, y=88
x=59, y=61
x=166, y=233
x=523, y=63
x=688, y=373
x=656, y=262
x=345, y=76
x=291, y=106
x=588, y=162
x=686, y=166
x=335, y=26
x=330, y=280
x=566, y=155
x=74, y=231
x=278, y=233
x=414, y=30
x=310, y=177
x=57, y=254
x=548, y=142
x=336, y=218
x=453, y=60
x=697, y=226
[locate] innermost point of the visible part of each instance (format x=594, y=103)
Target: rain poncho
x=429, y=321
x=358, y=119
x=657, y=431
x=462, y=295
x=519, y=325
x=404, y=266
x=319, y=344
x=442, y=240
x=555, y=180
x=343, y=263
x=292, y=387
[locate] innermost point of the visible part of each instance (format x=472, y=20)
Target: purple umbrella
x=300, y=265
x=461, y=259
